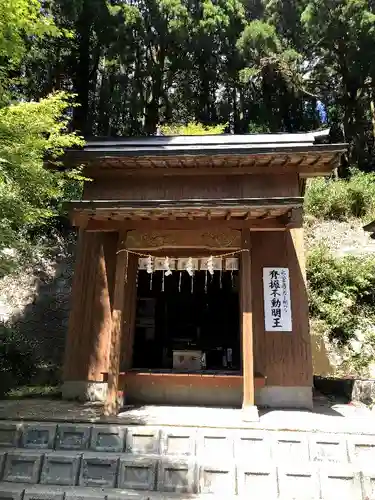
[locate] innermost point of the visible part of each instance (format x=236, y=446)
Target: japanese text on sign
x=277, y=306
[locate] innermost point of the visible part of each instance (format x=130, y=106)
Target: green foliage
x=35, y=391
x=259, y=39
x=341, y=291
x=20, y=19
x=17, y=361
x=261, y=65
x=31, y=132
x=342, y=199
x=193, y=129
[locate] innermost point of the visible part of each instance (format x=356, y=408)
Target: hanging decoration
x=210, y=265
x=189, y=266
x=149, y=266
x=167, y=267
x=168, y=264
x=231, y=264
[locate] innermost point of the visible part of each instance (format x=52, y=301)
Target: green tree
x=341, y=38
x=30, y=133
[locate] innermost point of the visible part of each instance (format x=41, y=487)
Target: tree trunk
x=81, y=78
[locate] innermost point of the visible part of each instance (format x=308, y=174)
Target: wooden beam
x=247, y=322
x=292, y=219
x=188, y=204
x=253, y=225
x=121, y=281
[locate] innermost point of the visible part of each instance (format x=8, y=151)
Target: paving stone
x=39, y=436
x=117, y=494
x=290, y=446
x=368, y=482
x=10, y=491
x=60, y=468
x=2, y=462
x=22, y=467
x=138, y=473
x=9, y=435
x=299, y=482
x=177, y=475
x=142, y=440
x=73, y=437
x=257, y=482
x=99, y=471
x=178, y=442
x=215, y=444
x=361, y=449
x=217, y=478
x=37, y=493
x=328, y=447
x=108, y=438
x=253, y=446
x=84, y=494
x=339, y=482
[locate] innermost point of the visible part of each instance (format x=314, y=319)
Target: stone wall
x=36, y=301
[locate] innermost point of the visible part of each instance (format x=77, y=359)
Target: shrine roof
x=245, y=144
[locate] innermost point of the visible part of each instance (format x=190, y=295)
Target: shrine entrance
x=176, y=341
x=187, y=323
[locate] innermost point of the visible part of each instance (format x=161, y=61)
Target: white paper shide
x=277, y=305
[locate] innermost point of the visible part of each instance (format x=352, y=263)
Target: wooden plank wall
x=185, y=187
x=285, y=358
x=86, y=352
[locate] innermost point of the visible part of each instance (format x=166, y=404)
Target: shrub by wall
x=342, y=199
x=342, y=307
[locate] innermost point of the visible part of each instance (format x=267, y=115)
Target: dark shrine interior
x=184, y=313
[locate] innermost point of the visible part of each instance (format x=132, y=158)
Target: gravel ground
x=342, y=238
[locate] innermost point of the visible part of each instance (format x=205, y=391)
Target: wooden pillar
x=247, y=323
x=86, y=351
x=121, y=283
x=129, y=314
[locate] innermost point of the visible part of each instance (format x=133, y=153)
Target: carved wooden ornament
x=228, y=239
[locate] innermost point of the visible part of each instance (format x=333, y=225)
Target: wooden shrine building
x=189, y=286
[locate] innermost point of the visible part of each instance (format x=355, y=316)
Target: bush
x=193, y=128
x=17, y=360
x=342, y=300
x=343, y=198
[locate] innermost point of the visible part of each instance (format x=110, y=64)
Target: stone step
x=332, y=483
x=183, y=475
x=27, y=492
x=232, y=444
x=169, y=462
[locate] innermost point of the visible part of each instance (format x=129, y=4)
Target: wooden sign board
x=277, y=303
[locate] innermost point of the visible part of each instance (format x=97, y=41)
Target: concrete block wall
x=109, y=462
